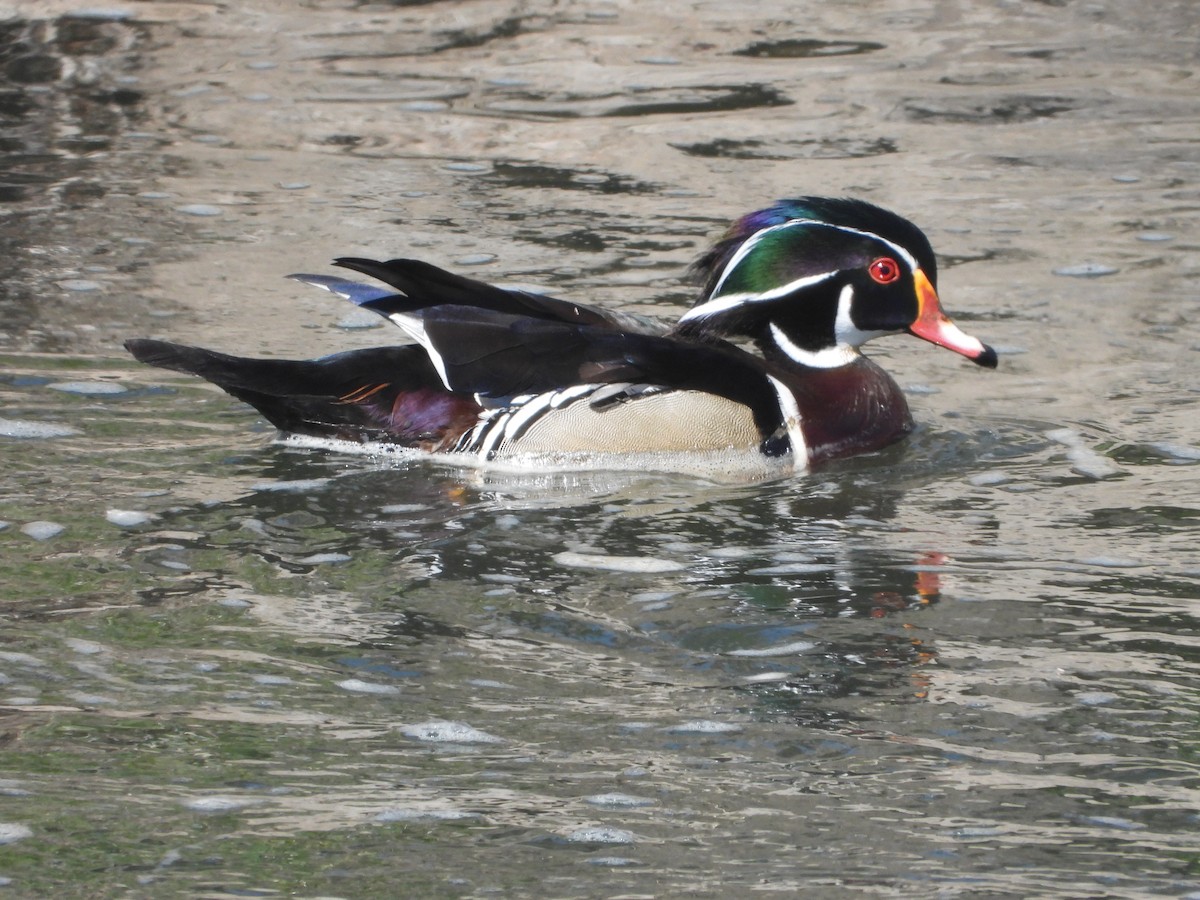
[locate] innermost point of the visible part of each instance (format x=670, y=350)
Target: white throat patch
x=849, y=338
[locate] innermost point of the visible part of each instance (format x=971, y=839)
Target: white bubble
x=218, y=804
x=79, y=285
x=448, y=733
x=272, y=679
x=641, y=564
x=601, y=836
x=706, y=726
x=781, y=650
x=1086, y=270
x=23, y=428
x=1095, y=698
x=617, y=800
x=357, y=686
x=128, y=518
x=300, y=485
x=88, y=388
x=87, y=648
x=318, y=558
x=406, y=814
x=11, y=832
x=42, y=531
x=199, y=209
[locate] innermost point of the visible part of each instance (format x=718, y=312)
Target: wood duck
x=502, y=374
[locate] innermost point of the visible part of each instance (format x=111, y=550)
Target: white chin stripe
x=791, y=416
x=842, y=353
x=826, y=358
x=849, y=338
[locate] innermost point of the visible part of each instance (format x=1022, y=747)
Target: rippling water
x=233, y=666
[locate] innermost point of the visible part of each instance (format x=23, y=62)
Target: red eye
x=885, y=270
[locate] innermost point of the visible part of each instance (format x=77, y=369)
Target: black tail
x=390, y=394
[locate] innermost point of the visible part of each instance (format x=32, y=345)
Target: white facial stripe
x=849, y=338
x=900, y=251
x=744, y=250
x=722, y=304
x=792, y=418
x=729, y=301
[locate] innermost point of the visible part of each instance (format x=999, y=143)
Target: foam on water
x=601, y=836
x=718, y=466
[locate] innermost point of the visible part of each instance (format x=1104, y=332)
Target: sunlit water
x=232, y=666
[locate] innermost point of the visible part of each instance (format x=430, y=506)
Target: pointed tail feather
x=353, y=291
x=389, y=394
x=423, y=286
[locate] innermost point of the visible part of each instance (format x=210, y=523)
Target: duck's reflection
x=794, y=593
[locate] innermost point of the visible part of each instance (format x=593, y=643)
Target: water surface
x=966, y=666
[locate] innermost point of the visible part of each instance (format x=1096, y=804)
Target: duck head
x=811, y=280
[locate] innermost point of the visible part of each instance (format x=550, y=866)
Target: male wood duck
x=502, y=374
